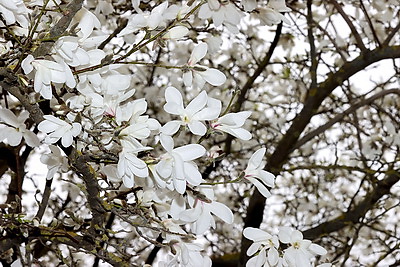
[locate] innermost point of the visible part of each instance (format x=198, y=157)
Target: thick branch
x=340, y=116
x=318, y=94
x=255, y=209
x=354, y=215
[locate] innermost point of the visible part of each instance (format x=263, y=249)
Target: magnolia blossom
x=56, y=129
x=265, y=243
x=298, y=254
x=232, y=123
x=14, y=11
x=199, y=74
x=257, y=176
x=300, y=250
x=176, y=32
x=150, y=20
x=249, y=5
x=177, y=164
x=200, y=109
x=129, y=166
x=68, y=48
x=86, y=21
x=46, y=72
x=221, y=12
x=271, y=14
x=200, y=213
x=14, y=128
x=55, y=161
x=185, y=254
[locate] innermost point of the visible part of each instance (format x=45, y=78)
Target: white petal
x=179, y=185
x=167, y=142
x=8, y=117
x=213, y=76
x=176, y=32
x=203, y=223
x=255, y=160
x=260, y=186
x=221, y=211
x=296, y=236
x=255, y=234
x=191, y=215
x=317, y=249
x=164, y=168
x=198, y=53
x=253, y=248
x=273, y=256
x=285, y=233
x=128, y=181
x=67, y=139
x=31, y=139
x=187, y=78
x=26, y=64
x=235, y=119
x=236, y=132
x=174, y=101
x=193, y=176
x=266, y=177
x=197, y=103
x=197, y=128
x=14, y=137
x=47, y=126
x=76, y=129
x=171, y=127
x=190, y=152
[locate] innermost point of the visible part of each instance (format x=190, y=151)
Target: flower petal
x=190, y=152
x=198, y=53
x=213, y=76
x=221, y=211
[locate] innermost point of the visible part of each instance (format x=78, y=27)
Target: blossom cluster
x=99, y=111
x=268, y=251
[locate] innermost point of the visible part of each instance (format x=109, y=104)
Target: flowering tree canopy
x=199, y=133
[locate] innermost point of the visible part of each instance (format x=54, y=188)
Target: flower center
x=296, y=245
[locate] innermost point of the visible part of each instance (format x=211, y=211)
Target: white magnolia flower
x=176, y=32
x=257, y=176
x=150, y=20
x=68, y=48
x=187, y=255
x=177, y=164
x=56, y=129
x=87, y=21
x=278, y=5
x=232, y=123
x=200, y=109
x=14, y=11
x=265, y=243
x=199, y=74
x=249, y=5
x=272, y=13
x=129, y=166
x=221, y=12
x=200, y=213
x=301, y=250
x=46, y=72
x=55, y=161
x=13, y=128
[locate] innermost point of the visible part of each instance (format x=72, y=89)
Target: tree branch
x=340, y=116
x=353, y=215
x=285, y=146
x=353, y=29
